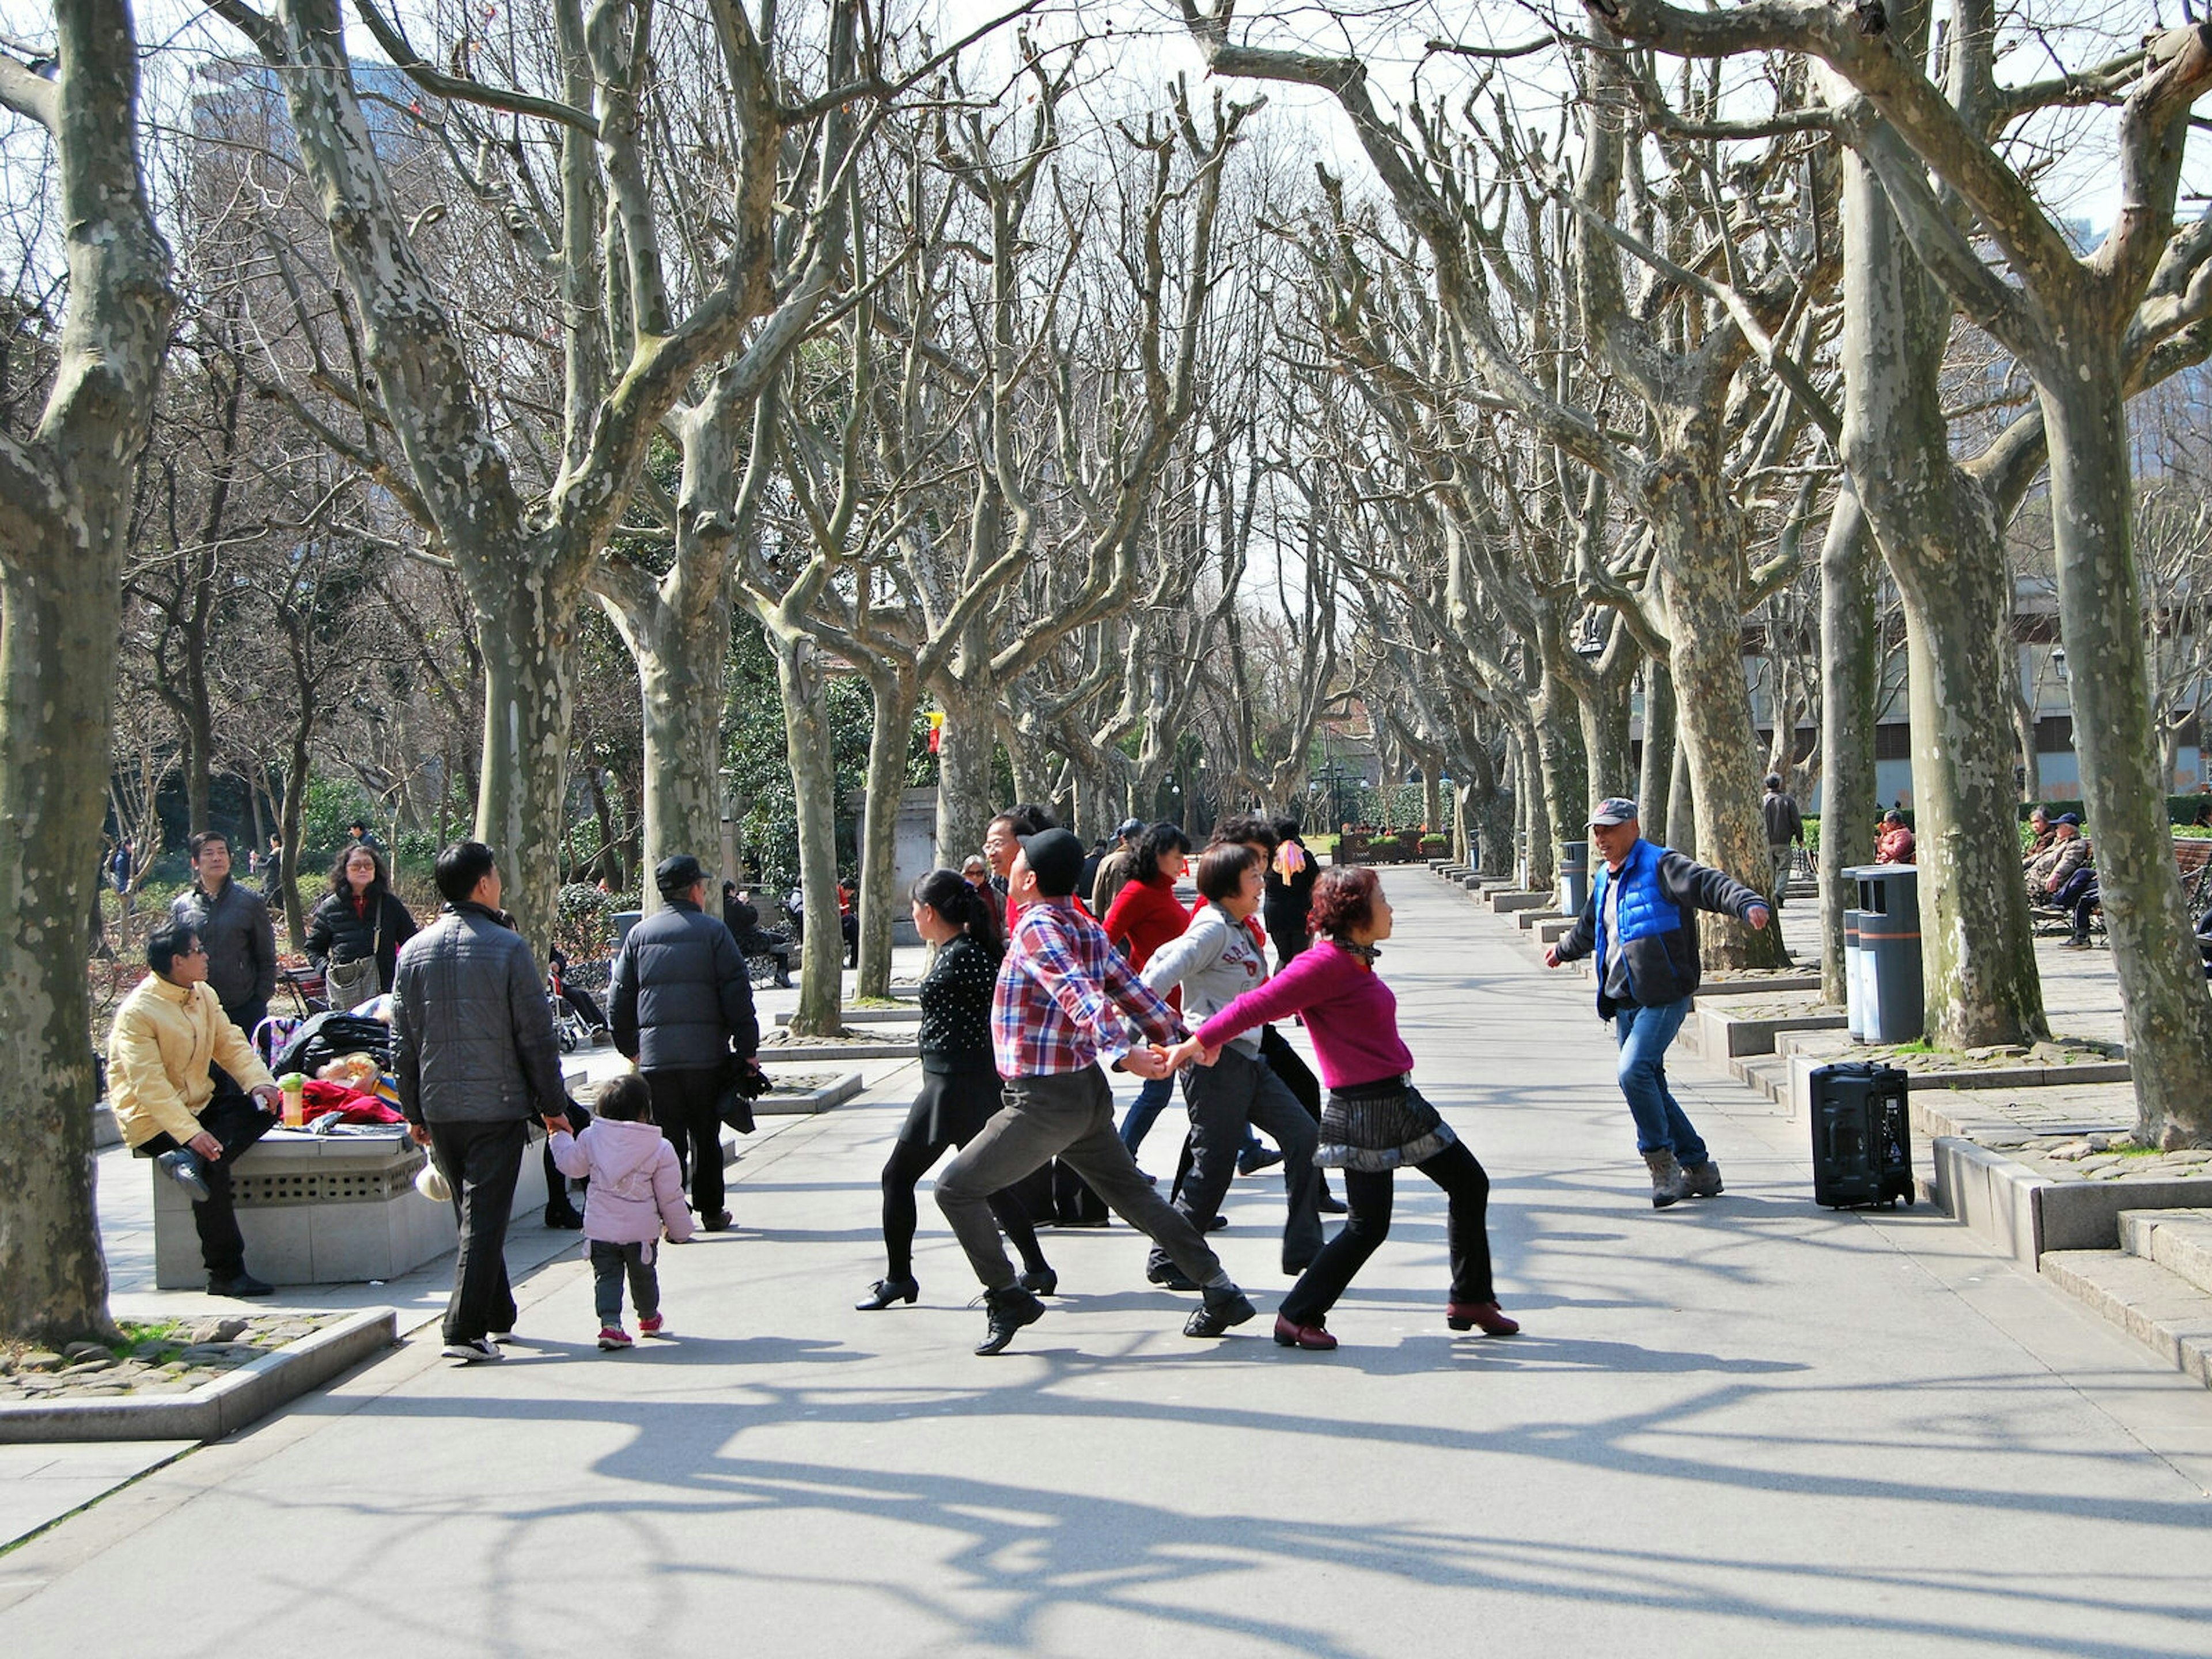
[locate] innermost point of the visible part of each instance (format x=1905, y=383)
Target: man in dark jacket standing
x=1639, y=921
x=683, y=1006
x=1786, y=826
x=475, y=1056
x=233, y=924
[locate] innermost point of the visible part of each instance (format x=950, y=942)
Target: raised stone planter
x=906, y=1016
x=244, y=1396
x=2027, y=1213
x=819, y=1096
x=1509, y=901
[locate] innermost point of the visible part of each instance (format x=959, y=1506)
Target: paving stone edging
x=244, y=1396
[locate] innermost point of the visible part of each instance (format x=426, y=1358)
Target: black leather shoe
x=183, y=1167
x=1009, y=1311
x=244, y=1284
x=884, y=1292
x=1039, y=1281
x=1332, y=1205
x=1219, y=1222
x=1223, y=1309
x=565, y=1216
x=717, y=1223
x=1170, y=1276
x=1252, y=1163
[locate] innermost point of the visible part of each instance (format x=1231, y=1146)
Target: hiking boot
x=1702, y=1180
x=1667, y=1186
x=1009, y=1311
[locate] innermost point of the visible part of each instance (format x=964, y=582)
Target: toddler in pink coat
x=636, y=1194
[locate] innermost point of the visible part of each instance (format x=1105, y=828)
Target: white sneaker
x=473, y=1354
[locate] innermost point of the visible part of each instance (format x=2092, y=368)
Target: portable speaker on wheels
x=1862, y=1135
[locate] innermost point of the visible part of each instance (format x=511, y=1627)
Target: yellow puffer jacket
x=163, y=1041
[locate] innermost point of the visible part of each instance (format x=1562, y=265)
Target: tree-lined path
x=1742, y=1426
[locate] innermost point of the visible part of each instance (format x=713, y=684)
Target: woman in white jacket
x=636, y=1194
x=1216, y=960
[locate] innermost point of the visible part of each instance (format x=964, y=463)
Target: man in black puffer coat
x=681, y=1006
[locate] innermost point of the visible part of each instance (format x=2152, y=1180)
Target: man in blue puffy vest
x=1639, y=922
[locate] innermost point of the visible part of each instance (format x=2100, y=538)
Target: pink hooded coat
x=637, y=1187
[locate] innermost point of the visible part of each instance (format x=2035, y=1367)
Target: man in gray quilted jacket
x=475, y=1058
x=682, y=1005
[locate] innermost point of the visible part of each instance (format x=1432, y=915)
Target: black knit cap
x=1056, y=860
x=677, y=875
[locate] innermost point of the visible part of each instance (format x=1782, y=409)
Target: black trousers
x=909, y=1161
x=1286, y=1063
x=236, y=1120
x=683, y=1104
x=1369, y=1193
x=481, y=1162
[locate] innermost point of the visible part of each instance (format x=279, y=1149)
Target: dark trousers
x=1069, y=1115
x=1286, y=1063
x=236, y=1120
x=1227, y=1100
x=684, y=1105
x=1369, y=1193
x=909, y=1161
x=610, y=1265
x=1290, y=938
x=481, y=1163
x=248, y=1015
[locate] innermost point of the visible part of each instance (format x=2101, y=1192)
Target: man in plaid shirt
x=1066, y=1000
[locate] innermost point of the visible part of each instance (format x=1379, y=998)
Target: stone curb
x=2180, y=1241
x=906, y=1016
x=813, y=1101
x=245, y=1396
x=793, y=1053
x=2161, y=1311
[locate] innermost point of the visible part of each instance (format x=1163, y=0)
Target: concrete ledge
x=784, y=1054
x=1721, y=1035
x=246, y=1396
x=811, y=1100
x=1720, y=989
x=1527, y=919
x=2180, y=1241
x=2085, y=1215
x=1506, y=901
x=1552, y=929
x=2165, y=1314
x=1995, y=1198
x=865, y=1016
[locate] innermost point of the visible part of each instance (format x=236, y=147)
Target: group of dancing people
x=1025, y=1008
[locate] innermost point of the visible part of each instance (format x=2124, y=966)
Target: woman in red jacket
x=1145, y=915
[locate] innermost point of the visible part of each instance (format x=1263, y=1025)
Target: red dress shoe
x=1461, y=1316
x=1303, y=1336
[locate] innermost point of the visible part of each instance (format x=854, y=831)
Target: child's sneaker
x=654, y=1326
x=614, y=1336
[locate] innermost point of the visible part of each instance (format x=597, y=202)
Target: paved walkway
x=1747, y=1426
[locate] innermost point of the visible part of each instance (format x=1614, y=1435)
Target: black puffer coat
x=336, y=931
x=681, y=999
x=472, y=1032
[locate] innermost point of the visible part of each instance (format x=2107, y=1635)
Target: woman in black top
x=1291, y=876
x=360, y=916
x=959, y=1080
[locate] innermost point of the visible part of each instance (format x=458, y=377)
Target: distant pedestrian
x=683, y=1008
x=359, y=922
x=123, y=874
x=1785, y=828
x=1638, y=922
x=1113, y=868
x=1291, y=872
x=475, y=1057
x=635, y=1195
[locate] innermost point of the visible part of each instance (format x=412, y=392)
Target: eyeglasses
x=196, y=951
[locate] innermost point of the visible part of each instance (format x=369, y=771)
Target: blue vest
x=1645, y=910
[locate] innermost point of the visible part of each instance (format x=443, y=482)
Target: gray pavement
x=1744, y=1426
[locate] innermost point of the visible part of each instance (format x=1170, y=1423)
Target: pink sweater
x=1349, y=1012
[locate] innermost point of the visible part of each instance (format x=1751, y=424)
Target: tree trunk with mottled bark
x=1850, y=667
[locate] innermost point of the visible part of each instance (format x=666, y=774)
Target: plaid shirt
x=1066, y=998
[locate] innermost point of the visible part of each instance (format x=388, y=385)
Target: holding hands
x=1189, y=1049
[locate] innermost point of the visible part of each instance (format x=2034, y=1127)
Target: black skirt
x=959, y=1093
x=1380, y=1128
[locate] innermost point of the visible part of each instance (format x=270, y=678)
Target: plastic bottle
x=294, y=1088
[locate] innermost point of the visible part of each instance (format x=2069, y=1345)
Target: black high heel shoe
x=1039, y=1281
x=884, y=1292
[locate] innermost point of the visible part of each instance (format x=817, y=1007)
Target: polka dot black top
x=956, y=1002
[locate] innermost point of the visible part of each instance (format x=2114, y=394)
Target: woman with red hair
x=1374, y=1120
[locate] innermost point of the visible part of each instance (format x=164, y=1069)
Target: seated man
x=1894, y=845
x=171, y=1107
x=742, y=917
x=2051, y=870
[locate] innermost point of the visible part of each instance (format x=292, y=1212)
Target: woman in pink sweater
x=1374, y=1120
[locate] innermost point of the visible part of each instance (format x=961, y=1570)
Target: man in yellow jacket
x=169, y=1031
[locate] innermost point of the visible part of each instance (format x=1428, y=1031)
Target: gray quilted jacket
x=472, y=1033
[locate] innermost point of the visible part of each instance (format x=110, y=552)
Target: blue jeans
x=1643, y=1034
x=1152, y=1100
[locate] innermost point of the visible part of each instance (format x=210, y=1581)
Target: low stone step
x=1766, y=1073
x=905, y=1014
x=1506, y=902
x=2180, y=1241
x=2160, y=1308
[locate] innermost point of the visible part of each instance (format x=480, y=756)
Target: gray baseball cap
x=1613, y=809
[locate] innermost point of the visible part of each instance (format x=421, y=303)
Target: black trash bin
x=1862, y=1135
x=1574, y=876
